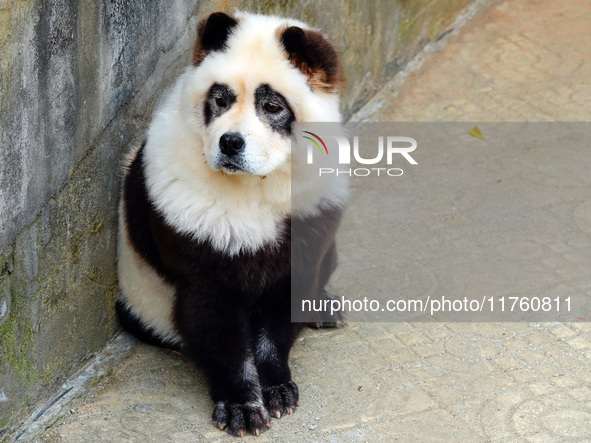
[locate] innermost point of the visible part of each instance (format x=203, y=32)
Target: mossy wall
x=78, y=82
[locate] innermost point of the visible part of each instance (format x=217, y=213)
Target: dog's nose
x=231, y=143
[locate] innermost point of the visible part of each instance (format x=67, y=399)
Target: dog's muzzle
x=232, y=146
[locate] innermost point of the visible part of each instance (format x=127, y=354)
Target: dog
x=207, y=209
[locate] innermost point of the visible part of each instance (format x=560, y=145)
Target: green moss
x=17, y=341
x=4, y=267
x=435, y=29
x=51, y=298
x=17, y=349
x=427, y=19
x=49, y=372
x=98, y=227
x=7, y=340
x=5, y=270
x=76, y=246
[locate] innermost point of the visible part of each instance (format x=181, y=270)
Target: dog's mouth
x=231, y=167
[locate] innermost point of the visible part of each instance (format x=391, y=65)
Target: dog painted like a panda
x=207, y=209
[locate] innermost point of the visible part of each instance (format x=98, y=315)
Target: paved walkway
x=516, y=61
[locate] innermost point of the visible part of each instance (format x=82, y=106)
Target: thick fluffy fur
x=207, y=211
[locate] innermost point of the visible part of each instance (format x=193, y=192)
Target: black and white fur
x=207, y=210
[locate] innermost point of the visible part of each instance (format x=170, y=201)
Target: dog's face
x=246, y=128
x=254, y=77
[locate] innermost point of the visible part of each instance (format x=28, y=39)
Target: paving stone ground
x=516, y=60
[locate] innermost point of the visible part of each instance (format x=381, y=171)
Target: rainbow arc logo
x=315, y=142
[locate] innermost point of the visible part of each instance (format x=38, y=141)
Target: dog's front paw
x=241, y=418
x=281, y=399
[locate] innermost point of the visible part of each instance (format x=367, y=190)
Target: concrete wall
x=78, y=82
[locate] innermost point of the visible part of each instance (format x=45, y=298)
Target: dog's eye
x=271, y=108
x=219, y=101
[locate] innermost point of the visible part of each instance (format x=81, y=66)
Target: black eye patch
x=220, y=98
x=273, y=108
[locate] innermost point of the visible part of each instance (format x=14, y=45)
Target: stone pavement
x=517, y=60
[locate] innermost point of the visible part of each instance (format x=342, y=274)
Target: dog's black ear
x=312, y=54
x=212, y=34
